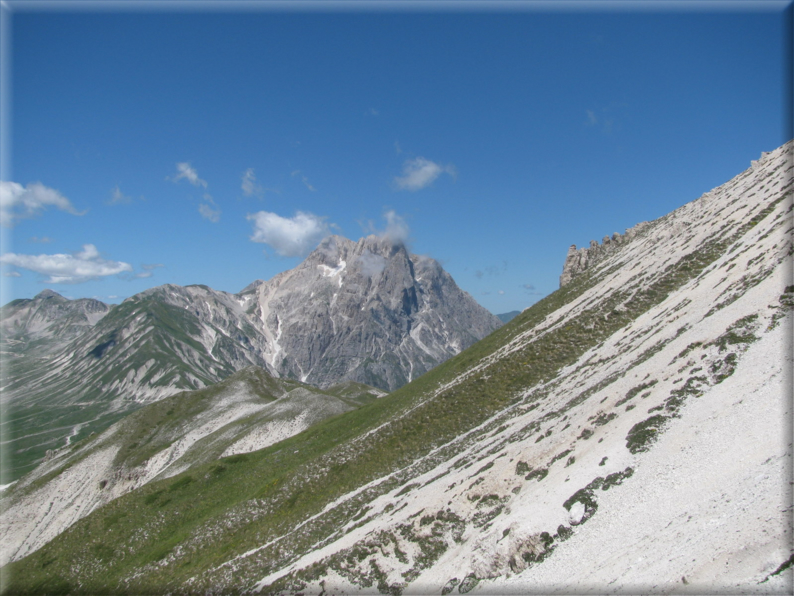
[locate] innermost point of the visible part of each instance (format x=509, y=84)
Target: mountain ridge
x=622, y=434
x=247, y=411
x=381, y=317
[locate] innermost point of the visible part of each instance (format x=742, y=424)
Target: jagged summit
x=365, y=311
x=47, y=321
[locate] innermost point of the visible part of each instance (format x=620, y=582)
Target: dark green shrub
x=644, y=433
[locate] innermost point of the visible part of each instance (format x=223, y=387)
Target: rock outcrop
x=578, y=260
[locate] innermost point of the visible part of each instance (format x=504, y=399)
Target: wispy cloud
x=373, y=112
x=147, y=271
x=42, y=240
x=606, y=118
x=185, y=171
x=396, y=231
x=372, y=264
x=304, y=179
x=491, y=271
x=290, y=237
x=69, y=269
x=249, y=185
x=21, y=202
x=396, y=228
x=208, y=213
x=531, y=290
x=118, y=198
x=420, y=173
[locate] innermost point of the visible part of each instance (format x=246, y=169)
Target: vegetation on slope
x=171, y=531
x=182, y=534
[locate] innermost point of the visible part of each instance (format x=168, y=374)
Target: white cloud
x=592, y=120
x=184, y=170
x=396, y=231
x=289, y=237
x=77, y=268
x=396, y=228
x=12, y=274
x=419, y=173
x=42, y=240
x=118, y=198
x=373, y=112
x=249, y=185
x=207, y=212
x=304, y=179
x=19, y=202
x=371, y=264
x=89, y=253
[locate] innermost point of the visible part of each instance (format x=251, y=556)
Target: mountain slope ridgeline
x=628, y=433
x=365, y=311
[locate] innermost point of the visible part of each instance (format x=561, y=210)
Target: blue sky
x=218, y=146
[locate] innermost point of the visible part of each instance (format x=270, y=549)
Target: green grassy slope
x=77, y=393
x=179, y=534
x=263, y=493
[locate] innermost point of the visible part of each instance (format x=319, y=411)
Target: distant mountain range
x=366, y=311
x=628, y=433
x=508, y=316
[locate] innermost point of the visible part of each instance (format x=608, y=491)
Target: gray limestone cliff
x=366, y=311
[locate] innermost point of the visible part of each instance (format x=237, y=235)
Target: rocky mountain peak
x=50, y=317
x=365, y=311
x=44, y=294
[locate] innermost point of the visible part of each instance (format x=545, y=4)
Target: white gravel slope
x=710, y=504
x=708, y=507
